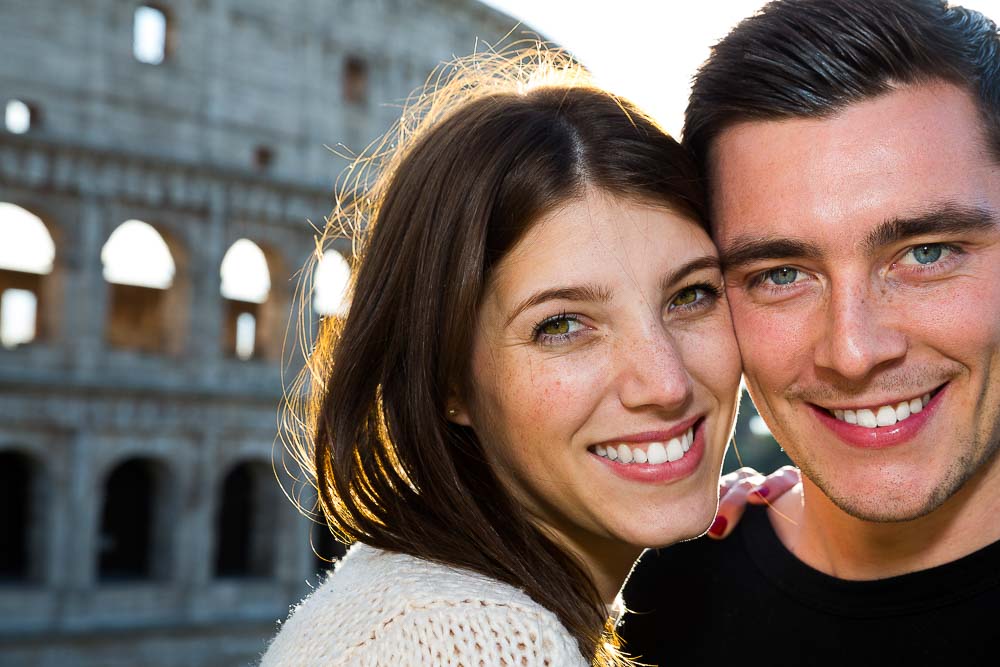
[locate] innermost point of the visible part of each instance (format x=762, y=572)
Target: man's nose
x=860, y=334
x=652, y=372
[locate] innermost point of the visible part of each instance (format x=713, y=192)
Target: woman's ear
x=457, y=412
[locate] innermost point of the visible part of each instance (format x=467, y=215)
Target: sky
x=645, y=50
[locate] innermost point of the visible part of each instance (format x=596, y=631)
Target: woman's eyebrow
x=586, y=292
x=696, y=264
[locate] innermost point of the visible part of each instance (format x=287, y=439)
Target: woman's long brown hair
x=481, y=155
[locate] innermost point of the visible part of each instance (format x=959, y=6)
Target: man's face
x=863, y=272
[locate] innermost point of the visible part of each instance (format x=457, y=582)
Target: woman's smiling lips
x=874, y=427
x=655, y=456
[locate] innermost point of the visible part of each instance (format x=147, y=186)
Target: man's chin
x=891, y=501
x=886, y=512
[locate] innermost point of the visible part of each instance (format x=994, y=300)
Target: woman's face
x=605, y=374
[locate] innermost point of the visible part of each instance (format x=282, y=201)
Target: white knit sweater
x=390, y=610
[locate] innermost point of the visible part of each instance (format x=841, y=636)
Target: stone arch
x=147, y=302
x=261, y=269
x=246, y=521
x=22, y=521
x=27, y=259
x=134, y=536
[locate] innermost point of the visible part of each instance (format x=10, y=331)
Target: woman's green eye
x=783, y=276
x=556, y=327
x=685, y=298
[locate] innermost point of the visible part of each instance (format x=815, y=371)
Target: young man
x=852, y=149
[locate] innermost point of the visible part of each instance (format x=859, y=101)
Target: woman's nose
x=651, y=372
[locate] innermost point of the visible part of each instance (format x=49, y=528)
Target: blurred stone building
x=159, y=164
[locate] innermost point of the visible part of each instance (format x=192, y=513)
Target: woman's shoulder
x=380, y=608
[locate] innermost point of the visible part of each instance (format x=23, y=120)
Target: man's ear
x=457, y=412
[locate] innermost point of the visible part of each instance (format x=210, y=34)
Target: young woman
x=536, y=379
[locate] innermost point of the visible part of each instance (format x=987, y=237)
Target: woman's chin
x=675, y=524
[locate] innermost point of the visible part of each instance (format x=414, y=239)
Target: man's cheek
x=764, y=333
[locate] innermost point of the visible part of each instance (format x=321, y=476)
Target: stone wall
x=174, y=145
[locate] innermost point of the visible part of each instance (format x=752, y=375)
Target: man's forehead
x=878, y=159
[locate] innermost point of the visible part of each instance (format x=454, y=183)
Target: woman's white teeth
x=885, y=415
x=653, y=453
x=674, y=451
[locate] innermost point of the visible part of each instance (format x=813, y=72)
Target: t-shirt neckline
x=925, y=589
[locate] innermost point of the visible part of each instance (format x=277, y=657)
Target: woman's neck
x=607, y=561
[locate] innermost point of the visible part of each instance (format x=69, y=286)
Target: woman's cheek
x=560, y=392
x=712, y=356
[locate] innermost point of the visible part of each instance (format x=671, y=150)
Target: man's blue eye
x=783, y=276
x=927, y=254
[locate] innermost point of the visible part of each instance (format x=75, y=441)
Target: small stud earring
x=452, y=412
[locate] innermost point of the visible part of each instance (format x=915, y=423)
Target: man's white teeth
x=886, y=415
x=653, y=453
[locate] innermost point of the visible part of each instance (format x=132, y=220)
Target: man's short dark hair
x=812, y=58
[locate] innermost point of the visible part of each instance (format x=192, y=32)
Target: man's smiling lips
x=880, y=425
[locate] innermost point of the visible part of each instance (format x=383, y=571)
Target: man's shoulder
x=694, y=567
x=702, y=551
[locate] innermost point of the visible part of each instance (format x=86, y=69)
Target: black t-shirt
x=748, y=600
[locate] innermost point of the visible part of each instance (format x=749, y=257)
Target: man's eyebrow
x=586, y=292
x=696, y=264
x=949, y=218
x=747, y=250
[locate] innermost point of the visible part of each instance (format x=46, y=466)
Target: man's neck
x=828, y=539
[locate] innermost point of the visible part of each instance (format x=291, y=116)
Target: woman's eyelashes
x=559, y=328
x=694, y=297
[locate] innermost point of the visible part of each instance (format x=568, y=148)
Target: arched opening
x=330, y=283
x=139, y=269
x=355, y=81
x=27, y=254
x=246, y=335
x=133, y=540
x=263, y=157
x=150, y=32
x=21, y=117
x=22, y=520
x=245, y=522
x=246, y=285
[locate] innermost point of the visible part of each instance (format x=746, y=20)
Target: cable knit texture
x=381, y=609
